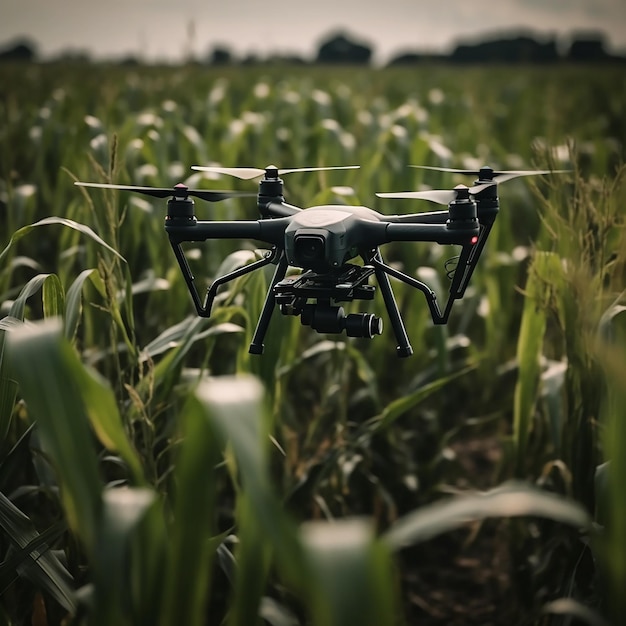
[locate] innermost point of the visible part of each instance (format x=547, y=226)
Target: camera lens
x=363, y=325
x=309, y=248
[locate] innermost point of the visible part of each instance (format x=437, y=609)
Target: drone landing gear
x=315, y=297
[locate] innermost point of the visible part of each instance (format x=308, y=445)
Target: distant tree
x=251, y=59
x=130, y=61
x=285, y=59
x=588, y=48
x=412, y=58
x=514, y=49
x=20, y=50
x=406, y=58
x=72, y=56
x=339, y=48
x=220, y=56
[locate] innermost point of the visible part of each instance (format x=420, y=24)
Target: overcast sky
x=170, y=29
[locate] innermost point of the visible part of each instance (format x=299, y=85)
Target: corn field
x=152, y=471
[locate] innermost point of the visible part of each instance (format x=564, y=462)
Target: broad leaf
x=48, y=373
x=33, y=558
x=512, y=499
x=82, y=228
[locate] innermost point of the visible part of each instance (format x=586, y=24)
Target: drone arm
x=438, y=233
x=272, y=231
x=268, y=231
x=180, y=231
x=272, y=208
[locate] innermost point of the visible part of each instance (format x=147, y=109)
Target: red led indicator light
x=474, y=240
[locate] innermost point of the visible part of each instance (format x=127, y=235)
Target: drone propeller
x=486, y=173
x=178, y=191
x=271, y=171
x=440, y=196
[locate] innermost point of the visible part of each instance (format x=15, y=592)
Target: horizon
x=154, y=30
x=562, y=41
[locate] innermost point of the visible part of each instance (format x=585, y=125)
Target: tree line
x=341, y=48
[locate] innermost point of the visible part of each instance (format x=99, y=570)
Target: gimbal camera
x=323, y=241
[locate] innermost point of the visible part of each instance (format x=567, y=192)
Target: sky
x=174, y=29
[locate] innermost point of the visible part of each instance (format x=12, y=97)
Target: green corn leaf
x=73, y=302
x=320, y=347
x=14, y=459
x=552, y=383
x=253, y=558
x=574, y=609
x=529, y=349
x=179, y=340
x=85, y=230
x=397, y=408
x=611, y=353
x=33, y=559
x=8, y=386
x=350, y=574
x=9, y=323
x=52, y=297
x=275, y=614
x=234, y=405
x=104, y=416
x=179, y=333
x=191, y=550
x=513, y=499
x=116, y=570
x=47, y=371
x=30, y=288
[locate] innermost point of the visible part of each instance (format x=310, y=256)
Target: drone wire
x=451, y=265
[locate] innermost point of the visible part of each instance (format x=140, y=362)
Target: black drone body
x=323, y=240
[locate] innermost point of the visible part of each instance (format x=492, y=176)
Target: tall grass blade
x=396, y=408
x=30, y=288
x=8, y=386
x=576, y=610
x=612, y=355
x=178, y=334
x=234, y=406
x=512, y=499
x=52, y=297
x=82, y=228
x=529, y=350
x=190, y=551
x=34, y=560
x=106, y=420
x=47, y=370
x=350, y=574
x=73, y=303
x=253, y=558
x=117, y=564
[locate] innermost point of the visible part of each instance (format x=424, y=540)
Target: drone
x=324, y=241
